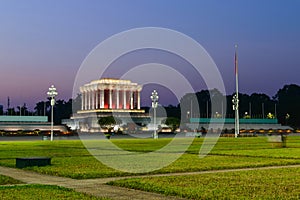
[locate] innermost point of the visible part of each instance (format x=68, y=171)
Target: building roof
x=5, y=118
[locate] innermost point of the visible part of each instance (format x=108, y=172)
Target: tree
x=76, y=103
x=62, y=110
x=173, y=123
x=173, y=111
x=194, y=105
x=41, y=107
x=22, y=109
x=109, y=122
x=11, y=111
x=288, y=99
x=261, y=104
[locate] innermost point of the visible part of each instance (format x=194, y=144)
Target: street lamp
x=52, y=93
x=235, y=107
x=154, y=98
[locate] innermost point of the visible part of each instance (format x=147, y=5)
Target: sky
x=45, y=42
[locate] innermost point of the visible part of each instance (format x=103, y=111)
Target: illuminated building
x=110, y=94
x=108, y=97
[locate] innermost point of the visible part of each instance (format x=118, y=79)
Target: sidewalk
x=97, y=187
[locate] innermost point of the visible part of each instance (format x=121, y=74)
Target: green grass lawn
x=71, y=159
x=5, y=180
x=10, y=190
x=45, y=192
x=256, y=184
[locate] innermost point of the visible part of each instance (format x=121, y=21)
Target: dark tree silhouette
x=23, y=110
x=109, y=122
x=173, y=123
x=41, y=108
x=76, y=103
x=288, y=99
x=62, y=110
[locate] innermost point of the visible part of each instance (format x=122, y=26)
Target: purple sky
x=45, y=42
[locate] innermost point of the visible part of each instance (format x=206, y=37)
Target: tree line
x=284, y=105
x=62, y=109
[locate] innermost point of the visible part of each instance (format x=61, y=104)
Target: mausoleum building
x=110, y=94
x=108, y=97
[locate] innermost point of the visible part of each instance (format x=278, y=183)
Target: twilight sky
x=44, y=42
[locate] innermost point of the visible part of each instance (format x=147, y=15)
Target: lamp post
x=235, y=99
x=154, y=98
x=235, y=106
x=52, y=94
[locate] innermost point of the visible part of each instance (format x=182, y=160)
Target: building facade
x=107, y=97
x=110, y=94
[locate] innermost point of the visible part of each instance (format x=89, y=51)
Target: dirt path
x=97, y=187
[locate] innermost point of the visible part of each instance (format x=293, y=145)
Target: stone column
x=118, y=99
x=101, y=98
x=85, y=100
x=89, y=98
x=97, y=98
x=93, y=99
x=82, y=100
x=131, y=100
x=138, y=100
x=124, y=99
x=110, y=99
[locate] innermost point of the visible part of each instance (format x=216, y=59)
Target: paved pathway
x=97, y=187
x=94, y=187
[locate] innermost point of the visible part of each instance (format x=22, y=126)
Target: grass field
x=257, y=184
x=45, y=192
x=71, y=159
x=5, y=180
x=10, y=190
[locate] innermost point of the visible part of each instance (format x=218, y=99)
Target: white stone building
x=108, y=97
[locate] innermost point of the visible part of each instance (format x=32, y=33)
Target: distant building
x=107, y=97
x=27, y=123
x=111, y=94
x=1, y=109
x=246, y=125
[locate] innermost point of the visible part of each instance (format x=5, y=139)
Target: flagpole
x=237, y=120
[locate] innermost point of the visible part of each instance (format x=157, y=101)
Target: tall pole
x=263, y=110
x=250, y=110
x=236, y=99
x=206, y=109
x=222, y=110
x=154, y=113
x=52, y=105
x=52, y=93
x=275, y=111
x=44, y=108
x=154, y=97
x=8, y=105
x=191, y=109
